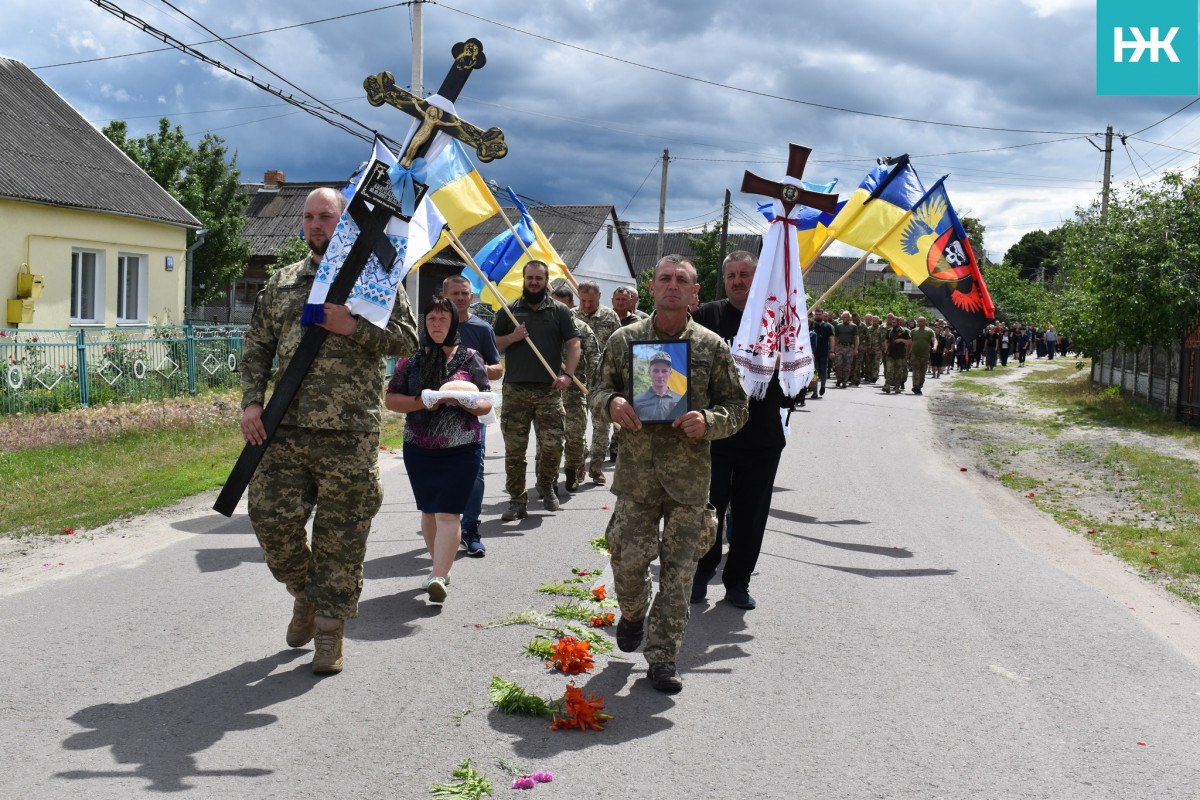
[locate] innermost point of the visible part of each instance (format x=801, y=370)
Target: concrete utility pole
x=418, y=23
x=1107, y=173
x=662, y=206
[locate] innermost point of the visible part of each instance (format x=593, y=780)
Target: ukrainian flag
x=678, y=381
x=513, y=283
x=877, y=205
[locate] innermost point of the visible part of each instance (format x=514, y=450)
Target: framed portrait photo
x=658, y=380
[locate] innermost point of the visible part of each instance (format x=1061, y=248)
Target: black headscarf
x=431, y=358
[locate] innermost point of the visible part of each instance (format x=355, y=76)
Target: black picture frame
x=646, y=360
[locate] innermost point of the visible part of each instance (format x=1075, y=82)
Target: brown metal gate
x=1189, y=378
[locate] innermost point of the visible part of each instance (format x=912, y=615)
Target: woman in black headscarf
x=441, y=443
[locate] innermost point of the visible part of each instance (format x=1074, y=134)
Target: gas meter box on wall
x=28, y=284
x=20, y=312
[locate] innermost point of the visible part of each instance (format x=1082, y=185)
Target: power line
x=752, y=91
x=227, y=38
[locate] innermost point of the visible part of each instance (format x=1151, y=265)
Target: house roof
x=50, y=154
x=273, y=215
x=644, y=247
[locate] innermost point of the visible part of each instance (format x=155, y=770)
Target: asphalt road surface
x=919, y=634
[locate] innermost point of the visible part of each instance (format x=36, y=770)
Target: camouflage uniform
x=662, y=475
x=843, y=357
x=895, y=368
x=870, y=347
x=325, y=452
x=539, y=405
x=574, y=402
x=603, y=322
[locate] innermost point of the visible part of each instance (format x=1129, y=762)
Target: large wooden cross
x=789, y=194
x=372, y=238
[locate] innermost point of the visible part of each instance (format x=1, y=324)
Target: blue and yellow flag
x=512, y=283
x=879, y=202
x=930, y=247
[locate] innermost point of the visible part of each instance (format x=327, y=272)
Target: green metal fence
x=49, y=370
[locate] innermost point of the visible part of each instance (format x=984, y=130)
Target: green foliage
x=975, y=230
x=1135, y=278
x=206, y=185
x=707, y=260
x=510, y=698
x=645, y=301
x=467, y=784
x=1035, y=256
x=293, y=250
x=880, y=298
x=1017, y=299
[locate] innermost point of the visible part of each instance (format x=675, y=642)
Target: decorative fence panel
x=49, y=370
x=1154, y=376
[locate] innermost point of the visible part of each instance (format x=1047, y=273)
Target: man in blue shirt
x=479, y=336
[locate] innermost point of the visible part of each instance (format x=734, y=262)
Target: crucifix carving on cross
x=468, y=56
x=789, y=194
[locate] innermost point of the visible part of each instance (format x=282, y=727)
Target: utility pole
x=662, y=206
x=1108, y=134
x=725, y=228
x=418, y=23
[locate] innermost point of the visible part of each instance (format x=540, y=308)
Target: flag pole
x=570, y=278
x=462, y=252
x=841, y=280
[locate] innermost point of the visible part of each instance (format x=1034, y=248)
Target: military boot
x=328, y=658
x=549, y=495
x=304, y=622
x=596, y=472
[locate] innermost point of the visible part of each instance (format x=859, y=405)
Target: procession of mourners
x=691, y=403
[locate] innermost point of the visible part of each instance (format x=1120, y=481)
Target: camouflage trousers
x=895, y=372
x=634, y=541
x=601, y=434
x=919, y=365
x=843, y=363
x=868, y=362
x=541, y=406
x=575, y=425
x=338, y=473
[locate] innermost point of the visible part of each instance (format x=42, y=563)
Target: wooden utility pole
x=725, y=228
x=662, y=206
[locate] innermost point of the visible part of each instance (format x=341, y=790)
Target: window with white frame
x=87, y=287
x=131, y=288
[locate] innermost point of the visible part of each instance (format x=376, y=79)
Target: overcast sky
x=590, y=127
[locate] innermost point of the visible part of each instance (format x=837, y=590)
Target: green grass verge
x=88, y=486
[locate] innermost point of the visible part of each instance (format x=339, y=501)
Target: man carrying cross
x=325, y=451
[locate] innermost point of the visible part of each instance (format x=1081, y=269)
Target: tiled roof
x=50, y=154
x=274, y=215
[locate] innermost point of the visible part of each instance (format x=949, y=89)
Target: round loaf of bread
x=458, y=386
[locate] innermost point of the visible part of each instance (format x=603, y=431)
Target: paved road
x=901, y=648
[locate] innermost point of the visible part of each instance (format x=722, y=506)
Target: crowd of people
x=694, y=467
x=854, y=348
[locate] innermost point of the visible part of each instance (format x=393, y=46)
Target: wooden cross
x=372, y=238
x=468, y=55
x=786, y=193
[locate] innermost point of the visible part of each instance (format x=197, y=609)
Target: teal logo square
x=1147, y=48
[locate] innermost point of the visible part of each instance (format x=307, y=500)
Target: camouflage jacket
x=603, y=322
x=343, y=389
x=871, y=338
x=660, y=455
x=589, y=356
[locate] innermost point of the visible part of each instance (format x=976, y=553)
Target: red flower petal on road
x=68, y=531
x=1091, y=530
x=1142, y=744
x=962, y=469
x=1031, y=494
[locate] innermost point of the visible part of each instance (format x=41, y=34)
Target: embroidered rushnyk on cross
x=774, y=329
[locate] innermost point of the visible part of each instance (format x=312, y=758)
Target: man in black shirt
x=824, y=331
x=743, y=465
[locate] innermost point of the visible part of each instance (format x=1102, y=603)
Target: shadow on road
x=872, y=573
x=805, y=519
x=162, y=734
x=239, y=523
x=870, y=549
x=391, y=616
x=221, y=559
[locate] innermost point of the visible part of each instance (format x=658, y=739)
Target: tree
x=707, y=260
x=1133, y=279
x=1036, y=254
x=975, y=230
x=878, y=297
x=1016, y=299
x=207, y=186
x=293, y=250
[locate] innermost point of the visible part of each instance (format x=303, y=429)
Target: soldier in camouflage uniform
x=574, y=402
x=603, y=321
x=896, y=347
x=870, y=347
x=531, y=395
x=326, y=449
x=663, y=471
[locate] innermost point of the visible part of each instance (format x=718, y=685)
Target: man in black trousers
x=743, y=465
